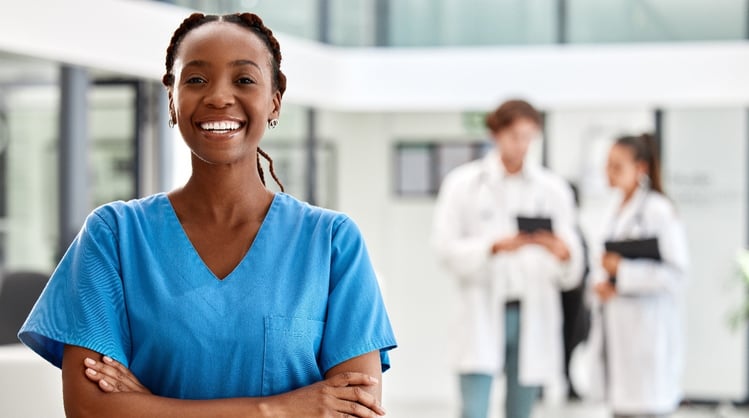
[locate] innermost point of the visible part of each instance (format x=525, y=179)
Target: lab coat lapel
x=625, y=223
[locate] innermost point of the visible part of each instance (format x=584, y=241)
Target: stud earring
x=644, y=181
x=272, y=123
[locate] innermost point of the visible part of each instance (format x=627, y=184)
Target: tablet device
x=530, y=225
x=646, y=248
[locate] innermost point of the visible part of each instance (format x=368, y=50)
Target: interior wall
x=705, y=162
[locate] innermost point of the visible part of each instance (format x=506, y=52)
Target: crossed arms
x=94, y=386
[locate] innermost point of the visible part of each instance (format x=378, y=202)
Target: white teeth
x=220, y=126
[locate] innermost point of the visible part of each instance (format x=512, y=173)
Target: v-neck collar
x=188, y=249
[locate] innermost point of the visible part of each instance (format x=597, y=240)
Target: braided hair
x=255, y=24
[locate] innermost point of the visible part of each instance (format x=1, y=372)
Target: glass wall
x=472, y=22
x=112, y=122
x=352, y=22
x=29, y=96
x=655, y=20
x=29, y=157
x=292, y=17
x=492, y=22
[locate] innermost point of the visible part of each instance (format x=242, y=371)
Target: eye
x=245, y=80
x=195, y=80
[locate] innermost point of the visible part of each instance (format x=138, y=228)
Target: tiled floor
x=571, y=410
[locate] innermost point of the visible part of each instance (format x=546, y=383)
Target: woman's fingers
x=111, y=376
x=352, y=379
x=349, y=390
x=359, y=398
x=100, y=380
x=345, y=394
x=125, y=375
x=98, y=377
x=353, y=409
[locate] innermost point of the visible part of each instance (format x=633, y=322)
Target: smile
x=225, y=126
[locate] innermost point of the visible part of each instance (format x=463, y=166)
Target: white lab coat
x=469, y=217
x=641, y=327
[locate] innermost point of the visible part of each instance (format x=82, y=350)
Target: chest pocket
x=290, y=353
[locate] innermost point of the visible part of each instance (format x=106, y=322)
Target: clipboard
x=530, y=225
x=646, y=248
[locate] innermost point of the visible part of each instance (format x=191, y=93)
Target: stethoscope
x=635, y=224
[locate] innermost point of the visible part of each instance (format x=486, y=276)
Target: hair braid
x=255, y=24
x=192, y=22
x=270, y=167
x=260, y=168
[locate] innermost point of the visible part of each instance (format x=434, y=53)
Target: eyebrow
x=235, y=63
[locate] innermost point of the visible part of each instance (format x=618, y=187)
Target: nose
x=220, y=94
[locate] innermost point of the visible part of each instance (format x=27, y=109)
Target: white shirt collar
x=495, y=170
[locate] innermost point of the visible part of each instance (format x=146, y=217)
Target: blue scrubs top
x=131, y=286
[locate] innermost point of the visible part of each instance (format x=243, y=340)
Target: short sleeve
x=357, y=322
x=83, y=302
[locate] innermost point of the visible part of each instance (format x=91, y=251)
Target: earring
x=171, y=123
x=272, y=123
x=644, y=181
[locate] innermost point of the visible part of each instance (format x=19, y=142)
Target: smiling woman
x=219, y=298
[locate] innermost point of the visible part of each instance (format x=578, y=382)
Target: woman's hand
x=610, y=263
x=342, y=395
x=605, y=291
x=112, y=376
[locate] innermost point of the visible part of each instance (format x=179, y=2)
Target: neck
x=225, y=193
x=512, y=167
x=628, y=195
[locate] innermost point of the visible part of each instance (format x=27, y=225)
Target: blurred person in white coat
x=636, y=344
x=510, y=307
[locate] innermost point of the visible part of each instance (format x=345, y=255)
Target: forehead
x=621, y=152
x=521, y=125
x=523, y=122
x=222, y=41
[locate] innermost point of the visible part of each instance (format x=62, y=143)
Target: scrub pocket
x=290, y=353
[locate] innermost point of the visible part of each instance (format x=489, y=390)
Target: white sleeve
x=462, y=254
x=565, y=227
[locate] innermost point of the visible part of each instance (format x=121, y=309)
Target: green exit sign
x=474, y=122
